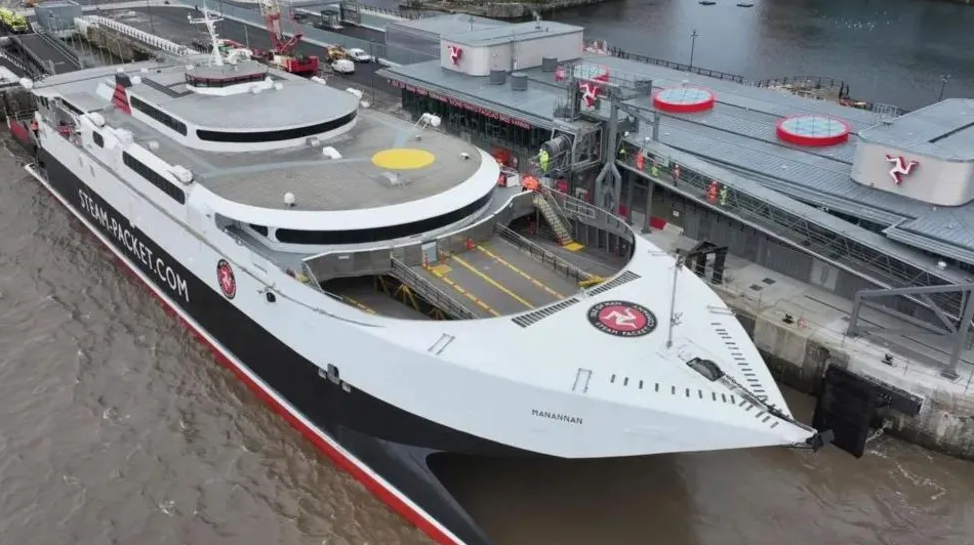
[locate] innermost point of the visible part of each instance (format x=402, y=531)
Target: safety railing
x=546, y=257
x=152, y=40
x=588, y=214
x=622, y=54
x=377, y=10
x=434, y=295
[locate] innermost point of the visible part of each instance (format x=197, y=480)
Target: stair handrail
x=558, y=264
x=437, y=297
x=562, y=215
x=577, y=205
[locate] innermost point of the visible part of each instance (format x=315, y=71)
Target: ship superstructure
x=246, y=197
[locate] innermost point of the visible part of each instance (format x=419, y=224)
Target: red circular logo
x=224, y=275
x=622, y=318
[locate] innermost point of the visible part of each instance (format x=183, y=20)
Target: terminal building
x=841, y=198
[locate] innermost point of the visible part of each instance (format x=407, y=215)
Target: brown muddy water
x=118, y=427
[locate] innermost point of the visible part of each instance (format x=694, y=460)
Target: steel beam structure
x=958, y=330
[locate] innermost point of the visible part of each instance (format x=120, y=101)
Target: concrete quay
x=799, y=352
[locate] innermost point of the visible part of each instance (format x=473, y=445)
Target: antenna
x=210, y=22
x=674, y=317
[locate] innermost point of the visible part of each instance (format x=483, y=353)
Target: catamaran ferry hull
x=394, y=472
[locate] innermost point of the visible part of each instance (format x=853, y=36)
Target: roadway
x=496, y=278
x=171, y=23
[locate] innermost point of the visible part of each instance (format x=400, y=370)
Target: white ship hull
x=394, y=468
x=379, y=396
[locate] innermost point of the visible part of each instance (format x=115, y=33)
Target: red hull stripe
x=340, y=457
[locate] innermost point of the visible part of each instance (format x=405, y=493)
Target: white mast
x=215, y=57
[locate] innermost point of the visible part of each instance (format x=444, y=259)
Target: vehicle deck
x=496, y=278
x=361, y=293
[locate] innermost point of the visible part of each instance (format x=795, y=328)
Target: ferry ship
x=247, y=199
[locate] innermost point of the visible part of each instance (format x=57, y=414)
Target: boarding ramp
x=48, y=52
x=151, y=40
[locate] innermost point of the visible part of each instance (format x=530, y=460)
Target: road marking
x=437, y=272
x=492, y=282
x=526, y=276
x=441, y=269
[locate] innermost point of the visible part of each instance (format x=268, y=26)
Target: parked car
x=343, y=66
x=359, y=55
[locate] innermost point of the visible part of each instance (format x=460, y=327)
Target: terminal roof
x=944, y=130
x=739, y=133
x=509, y=33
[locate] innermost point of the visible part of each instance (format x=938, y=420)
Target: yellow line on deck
x=361, y=306
x=462, y=291
x=526, y=276
x=491, y=281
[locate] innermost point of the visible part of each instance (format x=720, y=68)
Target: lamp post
x=943, y=84
x=693, y=45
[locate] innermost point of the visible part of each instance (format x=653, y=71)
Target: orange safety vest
x=640, y=161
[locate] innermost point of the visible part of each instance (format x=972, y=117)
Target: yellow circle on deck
x=403, y=159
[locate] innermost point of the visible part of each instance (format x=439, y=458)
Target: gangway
x=52, y=56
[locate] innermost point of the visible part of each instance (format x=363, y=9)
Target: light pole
x=943, y=84
x=693, y=45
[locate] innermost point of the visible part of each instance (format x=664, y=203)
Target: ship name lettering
x=136, y=248
x=557, y=416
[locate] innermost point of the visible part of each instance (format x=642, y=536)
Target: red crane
x=282, y=52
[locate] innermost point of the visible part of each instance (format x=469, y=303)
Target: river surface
x=118, y=427
x=891, y=51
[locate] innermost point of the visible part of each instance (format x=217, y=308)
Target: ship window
x=259, y=228
x=158, y=115
x=274, y=136
x=71, y=107
x=357, y=236
x=97, y=139
x=154, y=178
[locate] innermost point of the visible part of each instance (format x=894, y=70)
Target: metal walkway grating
x=624, y=278
x=525, y=320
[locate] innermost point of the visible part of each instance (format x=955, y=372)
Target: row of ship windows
x=146, y=172
x=357, y=236
x=293, y=236
x=241, y=137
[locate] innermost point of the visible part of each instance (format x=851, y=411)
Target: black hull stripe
x=391, y=442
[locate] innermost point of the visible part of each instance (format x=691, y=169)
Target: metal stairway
x=557, y=221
